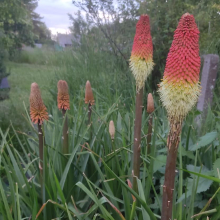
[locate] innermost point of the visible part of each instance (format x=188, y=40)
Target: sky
x=55, y=14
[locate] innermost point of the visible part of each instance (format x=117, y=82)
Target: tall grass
x=92, y=184
x=40, y=56
x=90, y=181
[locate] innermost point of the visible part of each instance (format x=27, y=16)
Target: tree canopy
x=20, y=24
x=115, y=22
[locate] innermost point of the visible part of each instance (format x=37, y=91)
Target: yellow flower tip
x=150, y=103
x=38, y=111
x=112, y=129
x=141, y=69
x=186, y=14
x=63, y=95
x=89, y=98
x=178, y=98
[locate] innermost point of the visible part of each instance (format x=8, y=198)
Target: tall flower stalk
x=179, y=91
x=38, y=113
x=150, y=152
x=150, y=110
x=63, y=104
x=141, y=64
x=89, y=99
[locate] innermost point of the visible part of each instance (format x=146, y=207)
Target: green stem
x=41, y=148
x=133, y=210
x=89, y=120
x=41, y=155
x=65, y=133
x=150, y=166
x=89, y=113
x=168, y=187
x=180, y=191
x=137, y=138
x=149, y=135
x=208, y=204
x=142, y=202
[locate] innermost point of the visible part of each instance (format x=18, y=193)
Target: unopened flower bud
x=150, y=103
x=112, y=129
x=89, y=98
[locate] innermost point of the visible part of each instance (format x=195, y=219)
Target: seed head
x=150, y=103
x=112, y=129
x=88, y=94
x=141, y=61
x=63, y=100
x=180, y=88
x=38, y=111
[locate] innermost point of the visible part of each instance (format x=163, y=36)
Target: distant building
x=38, y=45
x=65, y=40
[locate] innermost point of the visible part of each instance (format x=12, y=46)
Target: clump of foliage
x=4, y=92
x=20, y=24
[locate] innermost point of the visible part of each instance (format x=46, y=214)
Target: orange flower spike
x=180, y=88
x=63, y=100
x=141, y=61
x=89, y=98
x=38, y=111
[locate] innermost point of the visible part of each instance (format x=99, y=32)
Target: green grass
x=44, y=56
x=20, y=79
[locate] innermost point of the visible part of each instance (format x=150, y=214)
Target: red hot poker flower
x=38, y=111
x=63, y=95
x=141, y=61
x=180, y=87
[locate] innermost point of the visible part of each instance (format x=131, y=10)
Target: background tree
x=16, y=23
x=40, y=30
x=20, y=24
x=3, y=71
x=116, y=22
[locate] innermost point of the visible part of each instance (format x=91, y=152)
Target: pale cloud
x=55, y=14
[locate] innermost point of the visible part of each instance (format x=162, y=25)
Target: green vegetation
x=90, y=180
x=94, y=178
x=20, y=24
x=3, y=74
x=20, y=79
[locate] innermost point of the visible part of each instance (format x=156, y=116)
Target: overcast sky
x=55, y=14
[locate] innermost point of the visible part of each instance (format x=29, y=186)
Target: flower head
x=112, y=129
x=141, y=61
x=150, y=103
x=88, y=94
x=38, y=111
x=180, y=86
x=63, y=95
